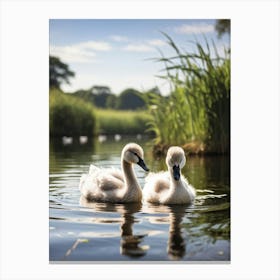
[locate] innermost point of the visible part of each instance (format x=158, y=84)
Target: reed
x=197, y=112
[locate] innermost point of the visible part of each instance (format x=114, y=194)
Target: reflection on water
x=130, y=243
x=176, y=245
x=89, y=231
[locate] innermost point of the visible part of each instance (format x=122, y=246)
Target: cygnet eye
x=134, y=153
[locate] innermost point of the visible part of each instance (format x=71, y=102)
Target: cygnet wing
x=157, y=181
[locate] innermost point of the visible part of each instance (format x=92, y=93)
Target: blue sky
x=117, y=53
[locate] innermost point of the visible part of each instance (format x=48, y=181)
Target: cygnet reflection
x=176, y=245
x=130, y=243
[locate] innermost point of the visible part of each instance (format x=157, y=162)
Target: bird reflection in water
x=130, y=244
x=176, y=245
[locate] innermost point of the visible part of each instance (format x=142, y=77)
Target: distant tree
x=130, y=99
x=222, y=26
x=155, y=90
x=111, y=101
x=85, y=94
x=100, y=90
x=101, y=94
x=101, y=100
x=59, y=72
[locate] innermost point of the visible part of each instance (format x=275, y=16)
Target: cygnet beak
x=142, y=164
x=176, y=172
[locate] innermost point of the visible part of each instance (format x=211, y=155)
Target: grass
x=196, y=115
x=70, y=116
x=73, y=116
x=122, y=122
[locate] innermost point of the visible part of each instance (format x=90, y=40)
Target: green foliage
x=102, y=97
x=73, y=116
x=198, y=108
x=58, y=72
x=222, y=26
x=100, y=100
x=98, y=90
x=111, y=101
x=86, y=95
x=97, y=95
x=129, y=99
x=122, y=122
x=70, y=116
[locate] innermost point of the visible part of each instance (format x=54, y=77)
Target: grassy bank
x=70, y=116
x=122, y=122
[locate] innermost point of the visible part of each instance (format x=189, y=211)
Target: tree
x=155, y=90
x=101, y=94
x=59, y=72
x=98, y=90
x=111, y=101
x=85, y=94
x=222, y=26
x=130, y=99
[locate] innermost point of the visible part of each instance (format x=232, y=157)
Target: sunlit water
x=87, y=231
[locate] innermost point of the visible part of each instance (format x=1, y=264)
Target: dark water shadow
x=130, y=244
x=176, y=243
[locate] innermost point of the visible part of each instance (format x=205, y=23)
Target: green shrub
x=122, y=122
x=70, y=116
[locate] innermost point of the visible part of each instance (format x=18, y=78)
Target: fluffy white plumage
x=167, y=187
x=114, y=185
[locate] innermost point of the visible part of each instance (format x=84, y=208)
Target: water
x=86, y=231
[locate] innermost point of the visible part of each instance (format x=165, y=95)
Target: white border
x=255, y=138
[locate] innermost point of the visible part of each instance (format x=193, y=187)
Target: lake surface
x=86, y=231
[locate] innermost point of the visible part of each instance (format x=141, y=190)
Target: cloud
x=156, y=42
x=83, y=52
x=72, y=54
x=94, y=45
x=118, y=38
x=195, y=28
x=144, y=46
x=138, y=48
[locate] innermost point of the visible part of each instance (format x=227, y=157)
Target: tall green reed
x=198, y=108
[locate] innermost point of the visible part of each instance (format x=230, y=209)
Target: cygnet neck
x=128, y=172
x=174, y=183
x=133, y=192
x=131, y=183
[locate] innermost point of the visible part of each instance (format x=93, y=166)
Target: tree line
x=99, y=96
x=102, y=97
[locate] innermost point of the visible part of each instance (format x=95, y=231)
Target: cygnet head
x=175, y=160
x=133, y=153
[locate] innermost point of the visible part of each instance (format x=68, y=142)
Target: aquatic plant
x=197, y=111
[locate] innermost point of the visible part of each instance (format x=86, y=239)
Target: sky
x=120, y=53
